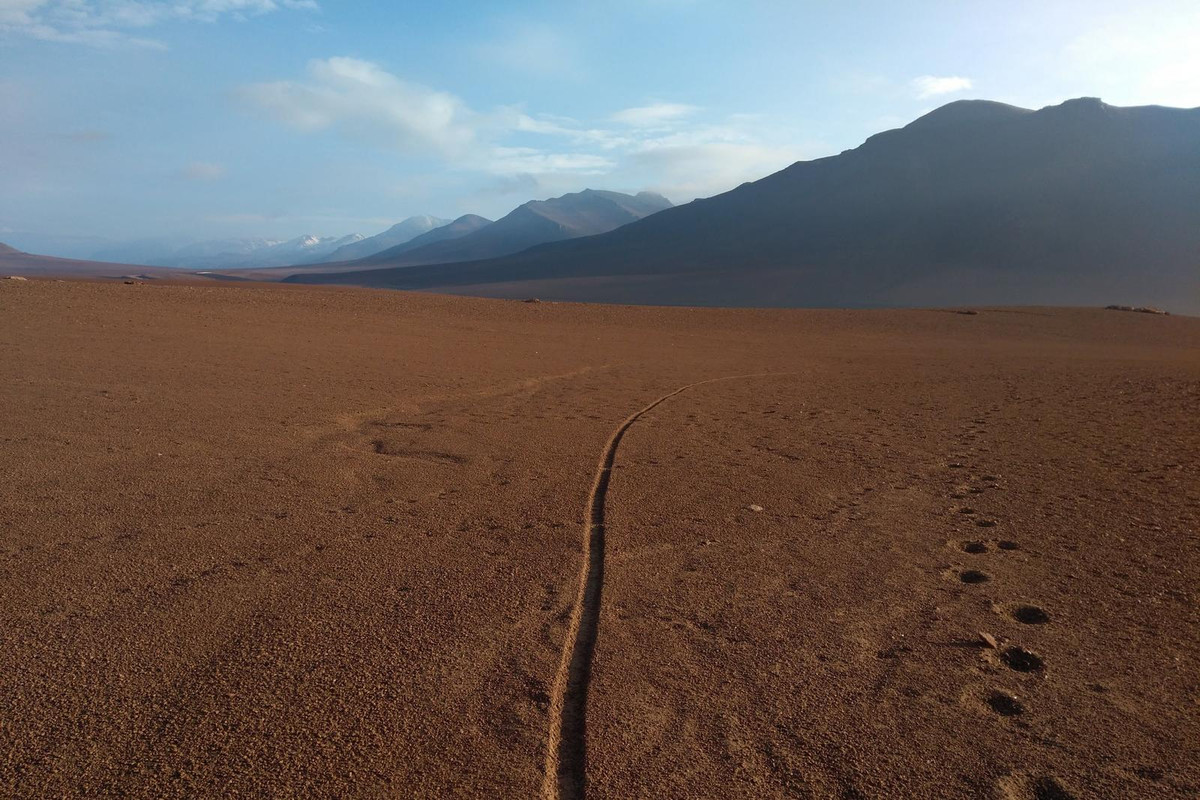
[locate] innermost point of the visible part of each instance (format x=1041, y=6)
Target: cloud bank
x=360, y=99
x=661, y=146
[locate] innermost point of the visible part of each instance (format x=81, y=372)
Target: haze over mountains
x=233, y=253
x=976, y=202
x=187, y=253
x=302, y=249
x=472, y=237
x=416, y=240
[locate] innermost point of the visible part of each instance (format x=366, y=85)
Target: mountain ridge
x=456, y=229
x=583, y=213
x=404, y=231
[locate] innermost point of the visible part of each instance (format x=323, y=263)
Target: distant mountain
x=183, y=251
x=536, y=222
x=460, y=227
x=463, y=226
x=398, y=234
x=210, y=254
x=302, y=249
x=63, y=246
x=163, y=249
x=974, y=203
x=16, y=262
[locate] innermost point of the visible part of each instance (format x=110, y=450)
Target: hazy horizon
x=276, y=118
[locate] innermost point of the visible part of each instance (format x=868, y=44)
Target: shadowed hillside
x=465, y=225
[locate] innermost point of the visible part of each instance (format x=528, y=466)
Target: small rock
x=967, y=313
x=15, y=278
x=755, y=509
x=1139, y=309
x=531, y=300
x=989, y=640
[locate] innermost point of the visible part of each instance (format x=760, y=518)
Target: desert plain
x=275, y=541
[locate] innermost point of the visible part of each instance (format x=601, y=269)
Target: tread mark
x=565, y=777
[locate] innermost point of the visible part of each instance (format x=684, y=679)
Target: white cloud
x=708, y=159
x=656, y=146
x=203, y=171
x=655, y=115
x=932, y=86
x=105, y=23
x=363, y=100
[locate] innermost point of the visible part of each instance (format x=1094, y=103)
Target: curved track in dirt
x=565, y=776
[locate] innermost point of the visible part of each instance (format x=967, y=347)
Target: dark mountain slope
x=976, y=202
x=465, y=225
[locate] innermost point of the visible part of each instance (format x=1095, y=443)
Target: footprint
x=974, y=576
x=1022, y=660
x=1029, y=614
x=986, y=523
x=1005, y=704
x=974, y=547
x=1008, y=544
x=1043, y=787
x=1047, y=788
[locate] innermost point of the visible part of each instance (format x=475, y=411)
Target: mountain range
x=975, y=202
x=184, y=252
x=537, y=222
x=471, y=237
x=233, y=253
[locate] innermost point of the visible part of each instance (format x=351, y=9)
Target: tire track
x=565, y=774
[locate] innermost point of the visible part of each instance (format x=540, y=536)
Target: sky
x=127, y=119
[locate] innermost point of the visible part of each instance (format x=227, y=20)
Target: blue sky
x=127, y=118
